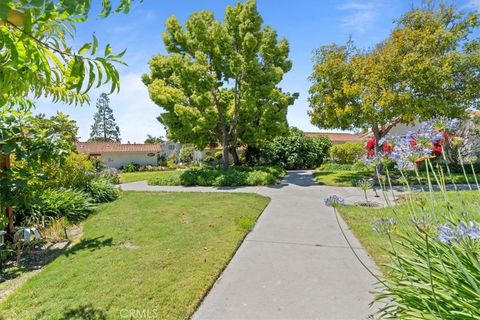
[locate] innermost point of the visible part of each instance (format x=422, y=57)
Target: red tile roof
x=106, y=147
x=336, y=136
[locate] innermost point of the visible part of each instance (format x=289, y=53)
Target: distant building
x=337, y=137
x=115, y=154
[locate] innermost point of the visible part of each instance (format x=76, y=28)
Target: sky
x=306, y=24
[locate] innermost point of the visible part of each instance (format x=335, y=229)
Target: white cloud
x=359, y=14
x=134, y=112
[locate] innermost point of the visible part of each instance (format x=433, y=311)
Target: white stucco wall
x=402, y=129
x=116, y=160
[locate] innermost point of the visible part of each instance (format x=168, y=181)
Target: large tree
x=428, y=66
x=104, y=127
x=218, y=82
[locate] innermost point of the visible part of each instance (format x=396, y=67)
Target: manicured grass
x=340, y=178
x=344, y=178
x=127, y=177
x=153, y=253
x=360, y=219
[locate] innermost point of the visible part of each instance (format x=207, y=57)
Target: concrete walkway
x=295, y=264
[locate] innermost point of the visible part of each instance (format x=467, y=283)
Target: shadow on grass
x=349, y=178
x=84, y=312
x=37, y=258
x=32, y=259
x=90, y=245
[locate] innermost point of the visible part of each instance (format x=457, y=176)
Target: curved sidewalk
x=295, y=264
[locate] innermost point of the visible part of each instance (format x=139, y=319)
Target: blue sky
x=307, y=24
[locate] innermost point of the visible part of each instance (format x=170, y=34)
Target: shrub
x=172, y=160
x=186, y=153
x=238, y=176
x=103, y=191
x=209, y=160
x=162, y=160
x=75, y=172
x=111, y=175
x=336, y=167
x=361, y=166
x=349, y=152
x=52, y=204
x=296, y=151
x=130, y=167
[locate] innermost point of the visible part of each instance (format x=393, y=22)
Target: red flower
x=387, y=147
x=371, y=144
x=437, y=149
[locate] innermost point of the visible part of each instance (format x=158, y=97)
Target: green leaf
x=84, y=48
x=95, y=45
x=108, y=50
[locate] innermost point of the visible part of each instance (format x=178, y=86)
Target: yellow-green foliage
x=349, y=152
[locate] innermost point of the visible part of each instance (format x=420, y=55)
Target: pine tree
x=104, y=127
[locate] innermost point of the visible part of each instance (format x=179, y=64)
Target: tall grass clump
x=434, y=268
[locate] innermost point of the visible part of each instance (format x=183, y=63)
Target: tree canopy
x=104, y=127
x=429, y=65
x=218, y=82
x=37, y=59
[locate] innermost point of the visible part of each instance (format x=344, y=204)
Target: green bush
x=172, y=160
x=361, y=166
x=186, y=153
x=75, y=172
x=296, y=151
x=349, y=152
x=111, y=175
x=336, y=167
x=130, y=167
x=218, y=155
x=52, y=204
x=238, y=176
x=103, y=191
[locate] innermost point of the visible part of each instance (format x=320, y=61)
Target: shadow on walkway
x=302, y=178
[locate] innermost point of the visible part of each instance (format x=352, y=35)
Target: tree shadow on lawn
x=341, y=177
x=84, y=312
x=37, y=258
x=90, y=245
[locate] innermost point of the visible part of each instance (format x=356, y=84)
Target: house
x=115, y=154
x=336, y=137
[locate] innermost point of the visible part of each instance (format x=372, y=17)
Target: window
x=171, y=147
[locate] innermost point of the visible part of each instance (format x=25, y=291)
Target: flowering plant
x=434, y=271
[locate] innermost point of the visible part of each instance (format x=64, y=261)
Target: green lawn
x=360, y=219
x=156, y=253
x=344, y=178
x=127, y=177
x=339, y=178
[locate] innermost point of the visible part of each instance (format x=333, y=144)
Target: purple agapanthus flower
x=384, y=225
x=453, y=124
x=448, y=233
x=334, y=201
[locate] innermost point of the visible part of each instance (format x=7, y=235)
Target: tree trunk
x=378, y=135
x=5, y=164
x=236, y=159
x=226, y=158
x=226, y=149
